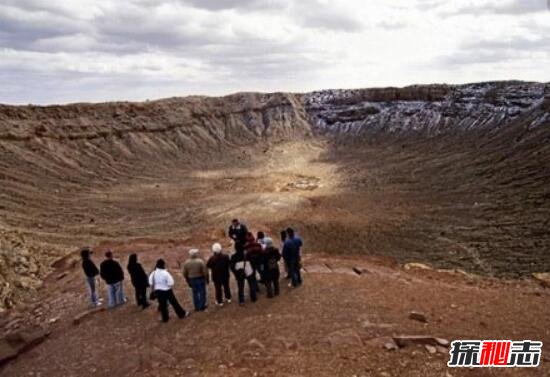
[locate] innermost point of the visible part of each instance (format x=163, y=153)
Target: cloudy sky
x=57, y=51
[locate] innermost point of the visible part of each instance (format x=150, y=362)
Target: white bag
x=239, y=266
x=248, y=270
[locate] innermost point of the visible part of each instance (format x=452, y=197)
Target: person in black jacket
x=113, y=275
x=242, y=270
x=139, y=279
x=219, y=265
x=237, y=232
x=91, y=272
x=270, y=260
x=253, y=253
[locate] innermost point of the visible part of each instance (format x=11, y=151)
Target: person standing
x=162, y=282
x=237, y=232
x=299, y=243
x=253, y=254
x=113, y=275
x=91, y=272
x=271, y=268
x=219, y=266
x=196, y=276
x=243, y=271
x=139, y=280
x=283, y=239
x=291, y=256
x=260, y=238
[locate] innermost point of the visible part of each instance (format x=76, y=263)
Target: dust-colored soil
x=336, y=324
x=289, y=183
x=158, y=178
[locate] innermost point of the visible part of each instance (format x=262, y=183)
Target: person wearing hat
x=91, y=272
x=196, y=276
x=219, y=267
x=270, y=260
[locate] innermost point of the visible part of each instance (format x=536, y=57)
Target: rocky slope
x=429, y=110
x=54, y=158
x=467, y=169
x=339, y=323
x=454, y=175
x=239, y=117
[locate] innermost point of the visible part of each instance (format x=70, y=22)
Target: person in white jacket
x=161, y=283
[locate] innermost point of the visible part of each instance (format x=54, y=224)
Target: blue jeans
x=91, y=285
x=116, y=294
x=198, y=285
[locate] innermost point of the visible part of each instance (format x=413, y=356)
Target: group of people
x=254, y=262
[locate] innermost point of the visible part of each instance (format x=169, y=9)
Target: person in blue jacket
x=292, y=256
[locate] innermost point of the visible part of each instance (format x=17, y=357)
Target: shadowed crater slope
x=457, y=176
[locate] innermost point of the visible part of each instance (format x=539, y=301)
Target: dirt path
x=336, y=324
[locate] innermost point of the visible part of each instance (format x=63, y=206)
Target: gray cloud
x=330, y=21
x=505, y=7
x=517, y=44
x=496, y=50
x=144, y=45
x=392, y=25
x=20, y=28
x=59, y=50
x=466, y=58
x=317, y=15
x=253, y=5
x=127, y=27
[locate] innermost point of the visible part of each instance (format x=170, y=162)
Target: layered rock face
x=236, y=118
x=87, y=172
x=467, y=168
x=428, y=110
x=247, y=117
x=56, y=162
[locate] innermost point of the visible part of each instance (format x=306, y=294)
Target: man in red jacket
x=253, y=253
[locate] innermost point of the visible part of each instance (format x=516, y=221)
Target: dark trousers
x=294, y=269
x=253, y=287
x=141, y=296
x=240, y=289
x=287, y=271
x=218, y=285
x=252, y=280
x=272, y=283
x=260, y=269
x=252, y=283
x=165, y=297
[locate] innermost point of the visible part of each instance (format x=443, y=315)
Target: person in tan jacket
x=196, y=276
